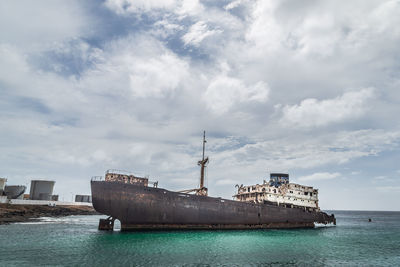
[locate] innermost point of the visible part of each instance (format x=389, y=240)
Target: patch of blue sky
x=239, y=12
x=175, y=44
x=232, y=142
x=110, y=25
x=385, y=163
x=216, y=4
x=74, y=56
x=69, y=59
x=32, y=104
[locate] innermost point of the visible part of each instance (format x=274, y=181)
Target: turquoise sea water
x=75, y=241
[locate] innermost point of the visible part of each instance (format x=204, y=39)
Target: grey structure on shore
x=14, y=191
x=41, y=190
x=41, y=193
x=83, y=198
x=2, y=185
x=11, y=191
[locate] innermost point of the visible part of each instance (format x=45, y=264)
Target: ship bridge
x=278, y=179
x=279, y=191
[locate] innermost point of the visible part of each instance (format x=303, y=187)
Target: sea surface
x=75, y=241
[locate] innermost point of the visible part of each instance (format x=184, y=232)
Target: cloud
x=264, y=31
x=11, y=57
x=389, y=189
x=319, y=176
x=141, y=6
x=165, y=28
x=278, y=86
x=142, y=65
x=155, y=8
x=197, y=33
x=224, y=92
x=383, y=179
x=28, y=24
x=283, y=154
x=233, y=4
x=318, y=31
x=313, y=113
x=156, y=76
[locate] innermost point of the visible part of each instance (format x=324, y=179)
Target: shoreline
x=29, y=213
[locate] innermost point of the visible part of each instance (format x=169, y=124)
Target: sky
x=309, y=87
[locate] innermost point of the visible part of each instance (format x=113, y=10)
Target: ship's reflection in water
x=75, y=240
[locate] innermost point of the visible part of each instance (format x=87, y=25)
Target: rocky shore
x=24, y=213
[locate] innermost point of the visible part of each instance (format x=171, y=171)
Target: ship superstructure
x=127, y=178
x=279, y=191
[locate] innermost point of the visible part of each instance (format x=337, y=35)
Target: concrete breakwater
x=24, y=213
x=5, y=200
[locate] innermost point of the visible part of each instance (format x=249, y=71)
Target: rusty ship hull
x=146, y=208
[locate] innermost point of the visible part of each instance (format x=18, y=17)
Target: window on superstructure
x=248, y=189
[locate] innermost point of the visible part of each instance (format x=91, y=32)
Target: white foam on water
x=321, y=225
x=30, y=223
x=91, y=220
x=72, y=219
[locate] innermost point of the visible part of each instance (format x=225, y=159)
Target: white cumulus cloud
x=140, y=66
x=312, y=112
x=197, y=33
x=224, y=92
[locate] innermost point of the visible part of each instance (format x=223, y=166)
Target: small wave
x=321, y=225
x=72, y=219
x=31, y=223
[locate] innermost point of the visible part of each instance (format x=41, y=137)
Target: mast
x=202, y=163
x=202, y=190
